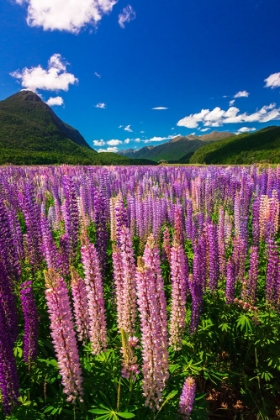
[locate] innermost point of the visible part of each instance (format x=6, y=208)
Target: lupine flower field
x=139, y=292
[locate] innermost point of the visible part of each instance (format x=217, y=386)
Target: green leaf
x=99, y=411
x=126, y=415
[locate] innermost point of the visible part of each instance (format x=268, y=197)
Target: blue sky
x=105, y=65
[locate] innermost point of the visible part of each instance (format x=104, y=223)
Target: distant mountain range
x=31, y=133
x=176, y=149
x=262, y=146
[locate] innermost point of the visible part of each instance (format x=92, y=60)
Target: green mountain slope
x=31, y=133
x=177, y=148
x=260, y=146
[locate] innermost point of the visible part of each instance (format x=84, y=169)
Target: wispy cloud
x=204, y=129
x=231, y=102
x=217, y=117
x=64, y=15
x=120, y=126
x=127, y=128
x=127, y=15
x=160, y=108
x=97, y=74
x=273, y=81
x=159, y=139
x=109, y=149
x=55, y=101
x=55, y=77
x=101, y=105
x=242, y=94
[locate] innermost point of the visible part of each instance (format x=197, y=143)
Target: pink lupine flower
x=96, y=305
x=79, y=294
x=166, y=243
x=63, y=335
x=179, y=279
x=152, y=310
x=128, y=306
x=118, y=283
x=187, y=398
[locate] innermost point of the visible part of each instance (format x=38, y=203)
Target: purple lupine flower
x=30, y=338
x=178, y=225
x=250, y=285
x=71, y=218
x=179, y=279
x=152, y=306
x=8, y=304
x=95, y=297
x=9, y=384
x=100, y=210
x=63, y=335
x=272, y=272
x=230, y=282
x=189, y=221
x=79, y=295
x=187, y=398
x=221, y=242
x=213, y=256
x=128, y=307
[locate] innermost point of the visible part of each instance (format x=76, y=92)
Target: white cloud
x=204, y=129
x=127, y=128
x=54, y=78
x=114, y=142
x=157, y=139
x=120, y=126
x=217, y=117
x=160, y=108
x=245, y=129
x=99, y=143
x=231, y=102
x=66, y=15
x=55, y=101
x=142, y=132
x=101, y=105
x=273, y=81
x=97, y=74
x=127, y=15
x=127, y=141
x=109, y=149
x=242, y=94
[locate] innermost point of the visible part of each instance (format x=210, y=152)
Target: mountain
x=31, y=133
x=180, y=147
x=260, y=146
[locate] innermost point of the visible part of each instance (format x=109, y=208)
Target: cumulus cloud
x=109, y=149
x=245, y=129
x=97, y=74
x=65, y=15
x=242, y=94
x=160, y=108
x=127, y=141
x=55, y=101
x=217, y=117
x=101, y=105
x=127, y=15
x=99, y=143
x=114, y=142
x=127, y=128
x=273, y=81
x=55, y=77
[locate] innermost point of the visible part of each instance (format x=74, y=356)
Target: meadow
x=139, y=292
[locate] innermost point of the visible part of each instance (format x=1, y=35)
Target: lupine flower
x=96, y=305
x=153, y=324
x=128, y=294
x=250, y=285
x=79, y=294
x=272, y=272
x=9, y=384
x=63, y=335
x=179, y=280
x=230, y=281
x=30, y=339
x=129, y=360
x=187, y=398
x=166, y=243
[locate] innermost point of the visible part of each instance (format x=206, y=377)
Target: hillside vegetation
x=261, y=146
x=31, y=133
